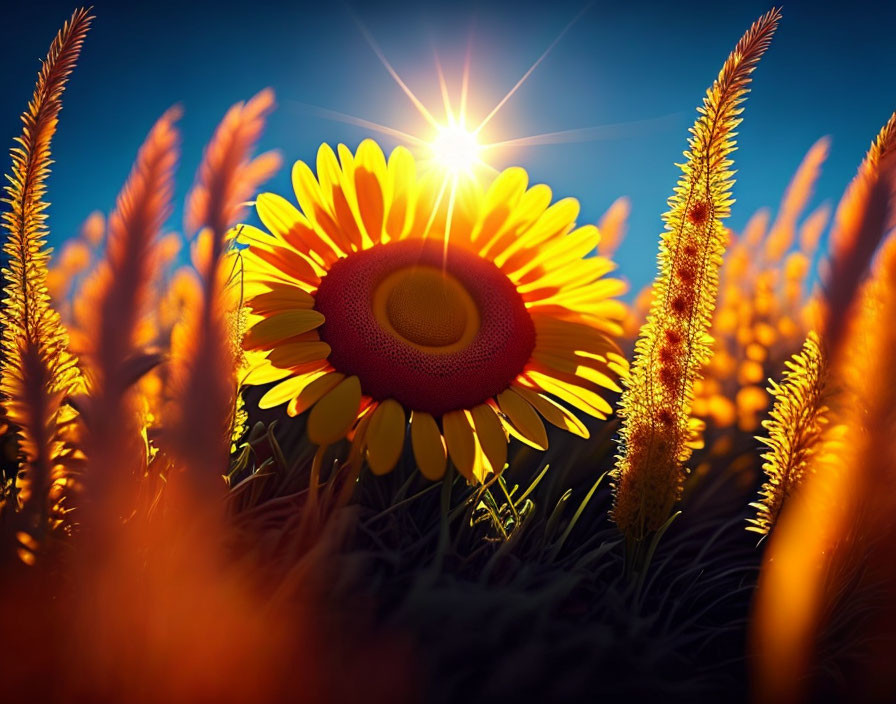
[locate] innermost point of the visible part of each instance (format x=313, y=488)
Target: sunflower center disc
x=427, y=307
x=436, y=328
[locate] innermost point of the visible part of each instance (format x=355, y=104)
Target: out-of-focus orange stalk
x=861, y=220
x=205, y=348
x=843, y=513
x=117, y=293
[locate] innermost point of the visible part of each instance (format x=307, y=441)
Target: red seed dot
x=665, y=417
x=698, y=212
x=673, y=337
x=690, y=250
x=686, y=274
x=679, y=304
x=668, y=377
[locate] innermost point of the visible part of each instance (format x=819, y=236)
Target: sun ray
x=435, y=208
x=585, y=134
x=532, y=68
x=443, y=86
x=465, y=81
x=453, y=146
x=360, y=122
x=392, y=72
x=448, y=222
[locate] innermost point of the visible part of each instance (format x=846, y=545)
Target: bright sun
x=455, y=148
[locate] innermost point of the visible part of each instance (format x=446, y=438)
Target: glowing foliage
x=120, y=288
x=795, y=198
x=113, y=317
x=794, y=431
x=613, y=225
x=674, y=342
x=861, y=220
x=832, y=548
x=205, y=345
x=37, y=369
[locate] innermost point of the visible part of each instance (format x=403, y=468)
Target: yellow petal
x=594, y=292
x=491, y=436
x=402, y=192
x=524, y=418
x=278, y=214
x=277, y=263
x=586, y=368
x=333, y=416
x=296, y=353
x=370, y=175
x=249, y=235
x=385, y=436
x=313, y=392
x=552, y=222
x=279, y=297
x=337, y=180
x=500, y=200
x=281, y=326
x=428, y=445
x=578, y=273
x=481, y=466
x=553, y=412
x=596, y=376
x=261, y=371
x=461, y=445
x=557, y=255
x=583, y=399
x=283, y=219
x=314, y=206
x=568, y=335
x=286, y=390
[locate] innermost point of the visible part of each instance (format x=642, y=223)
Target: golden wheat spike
x=228, y=177
x=795, y=428
x=121, y=285
x=860, y=222
x=205, y=346
x=117, y=294
x=37, y=370
x=673, y=344
x=884, y=144
x=799, y=193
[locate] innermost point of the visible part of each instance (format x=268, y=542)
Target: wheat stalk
x=794, y=429
x=37, y=369
x=674, y=343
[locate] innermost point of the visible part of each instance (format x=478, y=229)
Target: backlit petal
x=334, y=415
x=524, y=418
x=322, y=384
x=491, y=436
x=428, y=445
x=385, y=436
x=459, y=439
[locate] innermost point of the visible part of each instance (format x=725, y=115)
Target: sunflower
x=391, y=299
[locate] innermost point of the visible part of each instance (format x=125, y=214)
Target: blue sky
x=830, y=71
